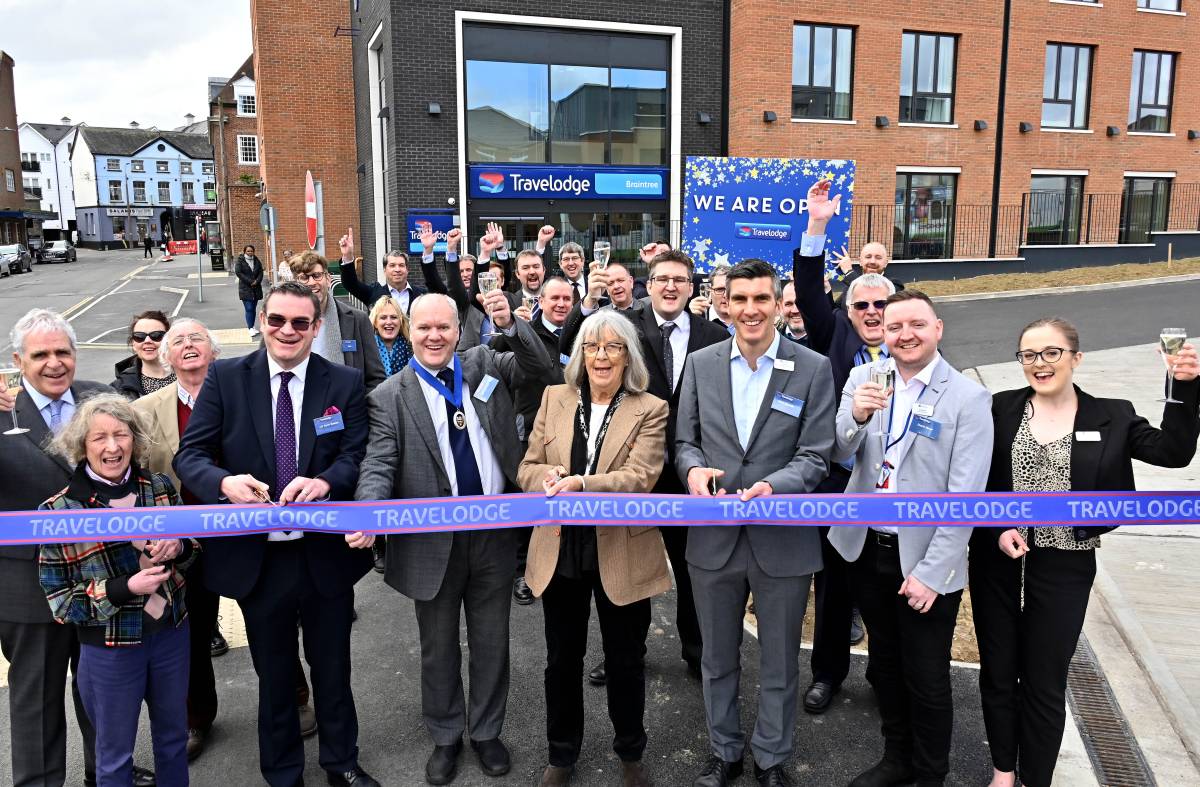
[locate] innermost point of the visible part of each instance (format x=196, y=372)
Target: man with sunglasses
x=284, y=424
x=848, y=337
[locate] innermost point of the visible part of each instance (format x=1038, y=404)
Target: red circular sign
x=310, y=209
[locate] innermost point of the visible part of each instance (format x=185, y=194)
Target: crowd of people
x=583, y=380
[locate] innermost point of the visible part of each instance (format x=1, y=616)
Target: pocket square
x=331, y=411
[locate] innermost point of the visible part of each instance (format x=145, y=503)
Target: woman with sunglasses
x=144, y=372
x=1030, y=586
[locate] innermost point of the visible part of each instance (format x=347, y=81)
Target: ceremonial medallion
x=460, y=419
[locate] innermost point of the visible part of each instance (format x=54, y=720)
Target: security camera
x=451, y=201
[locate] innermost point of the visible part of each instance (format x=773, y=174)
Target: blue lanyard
x=907, y=423
x=453, y=397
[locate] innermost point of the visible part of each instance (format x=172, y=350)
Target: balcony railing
x=33, y=193
x=31, y=166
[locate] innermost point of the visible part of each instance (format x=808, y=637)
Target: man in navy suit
x=285, y=424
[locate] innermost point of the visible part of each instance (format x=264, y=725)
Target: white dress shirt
x=42, y=402
x=491, y=476
x=402, y=297
x=186, y=398
x=296, y=389
x=679, y=343
x=750, y=387
x=904, y=397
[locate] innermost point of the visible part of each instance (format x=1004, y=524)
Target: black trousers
x=834, y=608
x=909, y=662
x=691, y=644
x=1025, y=653
x=285, y=589
x=566, y=605
x=522, y=535
x=202, y=606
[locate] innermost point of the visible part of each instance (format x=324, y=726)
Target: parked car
x=59, y=251
x=16, y=258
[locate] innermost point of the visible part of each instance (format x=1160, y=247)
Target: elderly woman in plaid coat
x=126, y=597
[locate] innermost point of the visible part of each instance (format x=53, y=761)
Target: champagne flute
x=601, y=250
x=883, y=374
x=1171, y=342
x=489, y=281
x=12, y=381
x=529, y=302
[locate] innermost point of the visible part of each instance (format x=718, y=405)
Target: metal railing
x=31, y=166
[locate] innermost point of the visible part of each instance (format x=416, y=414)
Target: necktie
x=558, y=332
x=156, y=602
x=285, y=435
x=575, y=296
x=668, y=353
x=56, y=423
x=873, y=352
x=466, y=471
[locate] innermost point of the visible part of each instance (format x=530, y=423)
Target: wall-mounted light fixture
x=703, y=118
x=1112, y=131
x=769, y=116
x=435, y=108
x=981, y=125
x=881, y=121
x=1024, y=127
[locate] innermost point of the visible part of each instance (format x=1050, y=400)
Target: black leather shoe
x=143, y=777
x=885, y=773
x=857, y=632
x=718, y=773
x=493, y=755
x=819, y=695
x=693, y=668
x=521, y=592
x=775, y=776
x=377, y=552
x=195, y=743
x=218, y=647
x=598, y=677
x=443, y=763
x=357, y=777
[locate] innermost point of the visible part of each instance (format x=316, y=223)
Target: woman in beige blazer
x=600, y=432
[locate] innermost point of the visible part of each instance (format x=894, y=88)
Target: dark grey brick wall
x=420, y=59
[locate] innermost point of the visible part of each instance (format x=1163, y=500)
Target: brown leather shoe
x=308, y=720
x=556, y=776
x=634, y=775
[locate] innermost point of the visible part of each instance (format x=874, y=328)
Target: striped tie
x=56, y=422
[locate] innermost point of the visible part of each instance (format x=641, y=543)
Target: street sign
x=310, y=209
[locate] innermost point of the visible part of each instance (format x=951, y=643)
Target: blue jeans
x=115, y=681
x=251, y=308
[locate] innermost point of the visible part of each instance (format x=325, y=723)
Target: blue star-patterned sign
x=740, y=207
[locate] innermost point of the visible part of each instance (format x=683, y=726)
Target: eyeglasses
x=611, y=350
x=1049, y=355
x=141, y=336
x=862, y=306
x=300, y=324
x=307, y=277
x=678, y=281
x=194, y=338
x=718, y=290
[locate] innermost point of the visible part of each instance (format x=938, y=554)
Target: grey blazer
x=957, y=461
x=28, y=476
x=404, y=461
x=792, y=454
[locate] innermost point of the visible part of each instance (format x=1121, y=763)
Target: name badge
x=925, y=426
x=328, y=423
x=349, y=345
x=788, y=405
x=922, y=409
x=785, y=364
x=564, y=359
x=486, y=386
x=1087, y=437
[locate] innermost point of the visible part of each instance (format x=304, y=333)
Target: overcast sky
x=107, y=62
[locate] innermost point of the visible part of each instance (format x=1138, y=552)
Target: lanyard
x=907, y=423
x=453, y=397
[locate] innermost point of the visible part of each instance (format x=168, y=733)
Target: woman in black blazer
x=1030, y=586
x=249, y=272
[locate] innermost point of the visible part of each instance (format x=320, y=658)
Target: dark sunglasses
x=300, y=324
x=141, y=336
x=862, y=306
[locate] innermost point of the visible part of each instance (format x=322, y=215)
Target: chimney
x=190, y=118
x=133, y=124
x=66, y=121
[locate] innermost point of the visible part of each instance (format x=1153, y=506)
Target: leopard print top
x=1045, y=468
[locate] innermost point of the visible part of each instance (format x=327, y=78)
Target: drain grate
x=1114, y=752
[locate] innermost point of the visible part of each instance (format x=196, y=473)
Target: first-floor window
x=10, y=180
x=139, y=191
x=1054, y=209
x=247, y=149
x=210, y=192
x=189, y=192
x=164, y=193
x=1145, y=206
x=924, y=215
x=115, y=193
x=185, y=168
x=927, y=78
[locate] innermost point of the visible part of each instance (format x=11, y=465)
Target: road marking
x=92, y=341
x=99, y=298
x=182, y=297
x=67, y=313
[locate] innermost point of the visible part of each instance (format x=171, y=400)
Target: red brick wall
x=243, y=221
x=305, y=92
x=237, y=206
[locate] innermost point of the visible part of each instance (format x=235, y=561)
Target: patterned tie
x=156, y=602
x=669, y=353
x=575, y=296
x=466, y=471
x=56, y=423
x=285, y=435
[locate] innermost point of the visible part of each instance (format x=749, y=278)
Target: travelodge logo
x=491, y=182
x=745, y=231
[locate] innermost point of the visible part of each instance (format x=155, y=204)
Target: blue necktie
x=56, y=423
x=466, y=470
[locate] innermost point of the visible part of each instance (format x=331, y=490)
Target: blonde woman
x=391, y=334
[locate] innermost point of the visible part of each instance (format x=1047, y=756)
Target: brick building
x=508, y=114
x=303, y=77
x=233, y=132
x=12, y=196
x=1090, y=142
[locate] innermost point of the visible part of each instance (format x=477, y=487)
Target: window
x=210, y=192
x=822, y=60
x=113, y=165
x=1144, y=207
x=139, y=191
x=164, y=193
x=45, y=157
x=115, y=193
x=1150, y=91
x=924, y=215
x=247, y=147
x=1055, y=203
x=162, y=166
x=206, y=168
x=1159, y=5
x=1065, y=87
x=189, y=192
x=185, y=168
x=137, y=165
x=927, y=78
x=247, y=105
x=638, y=116
x=10, y=180
x=507, y=107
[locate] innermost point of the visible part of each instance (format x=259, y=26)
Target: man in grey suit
x=755, y=419
x=909, y=581
x=37, y=648
x=444, y=427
